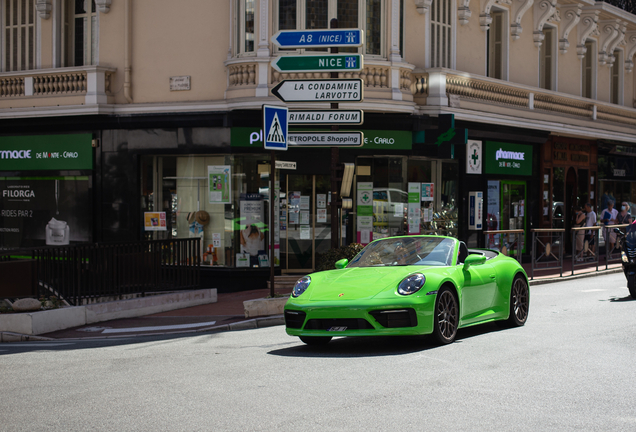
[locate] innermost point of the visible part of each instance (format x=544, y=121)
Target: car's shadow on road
x=374, y=346
x=621, y=299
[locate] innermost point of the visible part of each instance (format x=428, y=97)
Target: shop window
x=224, y=200
x=588, y=72
x=547, y=60
x=317, y=14
x=19, y=32
x=441, y=34
x=244, y=25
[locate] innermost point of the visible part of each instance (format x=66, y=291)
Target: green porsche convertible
x=409, y=285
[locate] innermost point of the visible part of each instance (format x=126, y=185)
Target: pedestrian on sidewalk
x=608, y=217
x=624, y=216
x=579, y=221
x=590, y=221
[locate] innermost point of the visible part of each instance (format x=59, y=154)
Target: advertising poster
x=427, y=191
x=277, y=224
x=321, y=215
x=155, y=221
x=365, y=212
x=321, y=201
x=252, y=235
x=42, y=211
x=219, y=184
x=492, y=210
x=414, y=215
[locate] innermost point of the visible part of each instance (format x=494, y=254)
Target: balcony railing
x=93, y=83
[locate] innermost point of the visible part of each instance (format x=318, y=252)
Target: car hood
x=358, y=283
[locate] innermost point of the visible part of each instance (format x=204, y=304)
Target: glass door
x=513, y=212
x=307, y=228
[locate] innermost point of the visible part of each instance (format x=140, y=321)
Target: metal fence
x=508, y=242
x=585, y=246
x=83, y=272
x=547, y=249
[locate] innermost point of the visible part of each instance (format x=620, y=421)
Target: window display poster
x=155, y=221
x=219, y=184
x=277, y=224
x=493, y=209
x=427, y=191
x=414, y=214
x=365, y=199
x=252, y=234
x=321, y=215
x=44, y=211
x=305, y=232
x=304, y=217
x=365, y=227
x=321, y=201
x=304, y=202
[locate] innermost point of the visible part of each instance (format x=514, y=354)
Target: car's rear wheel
x=519, y=302
x=446, y=316
x=315, y=340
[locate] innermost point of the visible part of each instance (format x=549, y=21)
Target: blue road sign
x=274, y=127
x=318, y=38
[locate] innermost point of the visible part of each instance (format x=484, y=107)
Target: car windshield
x=425, y=251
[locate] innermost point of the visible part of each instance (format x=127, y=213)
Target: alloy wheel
x=447, y=315
x=520, y=301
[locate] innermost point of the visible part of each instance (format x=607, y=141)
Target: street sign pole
x=335, y=156
x=272, y=223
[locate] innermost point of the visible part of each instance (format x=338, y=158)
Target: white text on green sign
x=318, y=63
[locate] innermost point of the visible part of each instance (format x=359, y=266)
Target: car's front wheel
x=446, y=316
x=315, y=340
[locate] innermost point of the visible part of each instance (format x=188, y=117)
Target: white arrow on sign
x=321, y=117
x=320, y=90
x=285, y=165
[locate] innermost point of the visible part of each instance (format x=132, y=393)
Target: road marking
x=594, y=290
x=168, y=327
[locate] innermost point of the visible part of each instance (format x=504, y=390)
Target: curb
x=19, y=337
x=237, y=326
x=532, y=282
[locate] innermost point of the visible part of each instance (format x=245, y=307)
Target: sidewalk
x=228, y=313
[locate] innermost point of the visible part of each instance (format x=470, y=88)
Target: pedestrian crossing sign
x=274, y=127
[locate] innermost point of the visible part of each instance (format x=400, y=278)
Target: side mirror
x=342, y=263
x=474, y=259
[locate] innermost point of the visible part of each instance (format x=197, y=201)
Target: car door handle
x=492, y=276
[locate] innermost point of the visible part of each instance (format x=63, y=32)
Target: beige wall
x=569, y=71
x=471, y=48
x=414, y=36
x=524, y=56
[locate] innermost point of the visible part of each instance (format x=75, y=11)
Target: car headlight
x=411, y=284
x=301, y=286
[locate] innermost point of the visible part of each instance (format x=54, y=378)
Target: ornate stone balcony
x=382, y=80
x=462, y=92
x=85, y=85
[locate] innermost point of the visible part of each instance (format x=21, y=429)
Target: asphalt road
x=572, y=367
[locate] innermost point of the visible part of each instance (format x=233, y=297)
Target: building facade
x=141, y=119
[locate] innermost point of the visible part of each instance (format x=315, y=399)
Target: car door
x=478, y=294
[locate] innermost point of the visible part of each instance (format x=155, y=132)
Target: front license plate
x=336, y=328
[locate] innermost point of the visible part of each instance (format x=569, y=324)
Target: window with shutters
x=616, y=80
x=547, y=60
x=441, y=32
x=317, y=14
x=588, y=71
x=19, y=32
x=79, y=18
x=497, y=46
x=244, y=25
